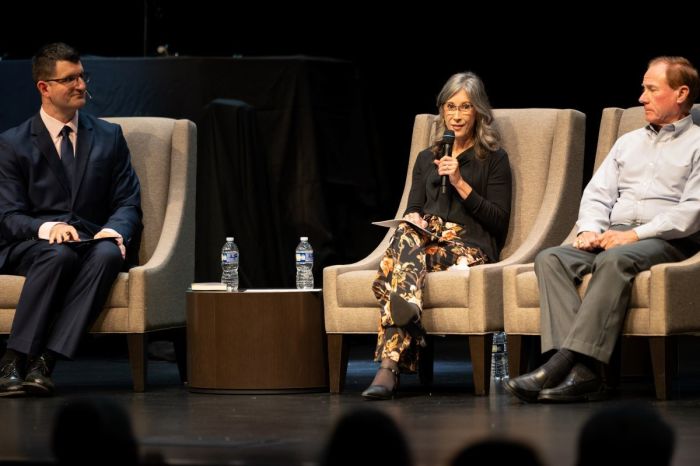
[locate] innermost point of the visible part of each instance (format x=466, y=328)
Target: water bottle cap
x=229, y=238
x=304, y=238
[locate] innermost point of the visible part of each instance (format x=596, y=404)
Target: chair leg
x=180, y=344
x=480, y=350
x=515, y=355
x=137, y=357
x=337, y=361
x=426, y=360
x=662, y=359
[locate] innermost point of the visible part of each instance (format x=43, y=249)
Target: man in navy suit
x=65, y=177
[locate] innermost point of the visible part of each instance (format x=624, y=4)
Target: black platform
x=188, y=428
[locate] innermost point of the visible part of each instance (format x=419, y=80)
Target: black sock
x=588, y=361
x=561, y=363
x=11, y=354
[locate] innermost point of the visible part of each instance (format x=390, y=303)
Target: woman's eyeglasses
x=463, y=108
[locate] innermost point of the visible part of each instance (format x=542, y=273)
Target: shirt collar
x=674, y=129
x=55, y=126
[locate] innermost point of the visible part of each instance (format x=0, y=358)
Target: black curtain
x=234, y=198
x=286, y=148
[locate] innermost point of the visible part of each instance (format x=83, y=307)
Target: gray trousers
x=591, y=325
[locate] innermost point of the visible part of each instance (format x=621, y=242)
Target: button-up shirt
x=650, y=180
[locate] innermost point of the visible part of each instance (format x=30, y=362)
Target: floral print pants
x=410, y=256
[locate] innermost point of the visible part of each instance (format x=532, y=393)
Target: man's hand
x=118, y=238
x=63, y=232
x=416, y=218
x=613, y=238
x=587, y=241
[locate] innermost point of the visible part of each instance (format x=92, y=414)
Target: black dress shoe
x=11, y=377
x=380, y=392
x=527, y=387
x=582, y=384
x=38, y=380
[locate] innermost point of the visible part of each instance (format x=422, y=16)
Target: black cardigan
x=484, y=214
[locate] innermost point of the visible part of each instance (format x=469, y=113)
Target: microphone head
x=448, y=137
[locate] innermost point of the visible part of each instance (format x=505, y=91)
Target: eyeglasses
x=71, y=80
x=463, y=108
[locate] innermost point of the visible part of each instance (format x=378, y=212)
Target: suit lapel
x=82, y=152
x=42, y=140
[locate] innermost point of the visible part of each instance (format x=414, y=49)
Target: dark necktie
x=67, y=154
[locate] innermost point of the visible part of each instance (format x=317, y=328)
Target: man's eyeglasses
x=71, y=80
x=463, y=108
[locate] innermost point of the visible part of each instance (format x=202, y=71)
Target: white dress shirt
x=651, y=180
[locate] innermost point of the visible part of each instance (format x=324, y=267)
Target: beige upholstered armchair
x=664, y=300
x=151, y=296
x=545, y=147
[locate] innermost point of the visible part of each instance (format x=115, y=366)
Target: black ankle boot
x=527, y=387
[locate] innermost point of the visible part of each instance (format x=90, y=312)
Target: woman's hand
x=450, y=166
x=414, y=217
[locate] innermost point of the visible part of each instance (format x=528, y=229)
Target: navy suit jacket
x=34, y=187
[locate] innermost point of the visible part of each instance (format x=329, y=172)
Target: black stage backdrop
x=315, y=146
x=283, y=151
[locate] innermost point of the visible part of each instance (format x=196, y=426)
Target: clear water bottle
x=229, y=264
x=305, y=264
x=499, y=356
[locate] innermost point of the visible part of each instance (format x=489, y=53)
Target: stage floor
x=207, y=429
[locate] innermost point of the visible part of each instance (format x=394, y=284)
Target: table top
x=260, y=290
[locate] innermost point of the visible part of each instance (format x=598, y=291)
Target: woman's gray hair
x=486, y=136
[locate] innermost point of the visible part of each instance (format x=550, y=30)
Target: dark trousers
x=65, y=289
x=406, y=262
x=591, y=325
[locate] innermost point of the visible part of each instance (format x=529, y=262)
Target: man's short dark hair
x=44, y=61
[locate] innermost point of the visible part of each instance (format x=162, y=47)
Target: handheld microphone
x=448, y=138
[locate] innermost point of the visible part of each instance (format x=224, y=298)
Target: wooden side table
x=256, y=341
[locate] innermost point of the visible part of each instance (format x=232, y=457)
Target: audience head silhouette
x=366, y=436
x=629, y=433
x=496, y=451
x=90, y=431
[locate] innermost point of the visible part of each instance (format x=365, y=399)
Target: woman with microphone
x=460, y=200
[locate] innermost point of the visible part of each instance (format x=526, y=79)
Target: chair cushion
x=442, y=289
x=11, y=287
x=528, y=295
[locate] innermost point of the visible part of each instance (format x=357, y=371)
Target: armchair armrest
x=673, y=296
x=156, y=288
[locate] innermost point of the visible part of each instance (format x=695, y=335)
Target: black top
x=484, y=214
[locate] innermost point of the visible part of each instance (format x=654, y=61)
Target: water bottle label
x=305, y=257
x=229, y=257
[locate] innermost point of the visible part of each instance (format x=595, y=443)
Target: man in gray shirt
x=641, y=208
